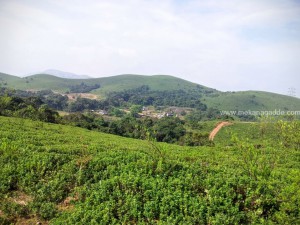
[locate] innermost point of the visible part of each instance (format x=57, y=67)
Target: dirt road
x=217, y=128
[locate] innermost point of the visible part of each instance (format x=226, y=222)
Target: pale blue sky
x=224, y=44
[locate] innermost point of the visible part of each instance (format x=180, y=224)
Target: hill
x=242, y=100
x=252, y=100
x=62, y=74
x=64, y=175
x=8, y=80
x=37, y=82
x=108, y=84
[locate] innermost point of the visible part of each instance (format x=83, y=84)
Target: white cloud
x=222, y=44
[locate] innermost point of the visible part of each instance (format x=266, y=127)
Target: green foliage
x=144, y=96
x=135, y=110
x=116, y=180
x=252, y=100
x=83, y=88
x=168, y=129
x=47, y=210
x=26, y=108
x=160, y=85
x=108, y=84
x=198, y=116
x=48, y=97
x=197, y=139
x=289, y=133
x=116, y=112
x=81, y=104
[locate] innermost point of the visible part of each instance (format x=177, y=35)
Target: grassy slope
x=39, y=82
x=9, y=79
x=108, y=84
x=242, y=130
x=254, y=100
x=157, y=82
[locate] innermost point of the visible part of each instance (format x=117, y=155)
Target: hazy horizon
x=228, y=45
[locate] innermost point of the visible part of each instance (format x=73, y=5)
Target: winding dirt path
x=217, y=128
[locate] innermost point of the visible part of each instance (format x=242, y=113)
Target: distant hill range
x=240, y=100
x=61, y=74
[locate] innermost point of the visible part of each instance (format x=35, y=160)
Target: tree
x=47, y=115
x=169, y=129
x=135, y=110
x=116, y=112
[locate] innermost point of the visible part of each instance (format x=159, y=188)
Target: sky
x=229, y=45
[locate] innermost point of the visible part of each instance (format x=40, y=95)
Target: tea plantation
x=56, y=174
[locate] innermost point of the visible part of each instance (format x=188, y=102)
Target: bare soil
x=217, y=129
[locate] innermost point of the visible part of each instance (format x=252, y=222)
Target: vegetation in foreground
x=59, y=174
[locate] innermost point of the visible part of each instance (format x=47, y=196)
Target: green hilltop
x=252, y=100
x=108, y=84
x=240, y=100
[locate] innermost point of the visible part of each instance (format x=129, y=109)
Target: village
x=152, y=112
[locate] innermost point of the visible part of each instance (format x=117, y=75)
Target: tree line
x=168, y=129
x=138, y=96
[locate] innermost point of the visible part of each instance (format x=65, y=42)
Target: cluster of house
x=165, y=114
x=101, y=112
x=170, y=112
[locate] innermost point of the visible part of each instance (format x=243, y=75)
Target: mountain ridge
x=235, y=100
x=61, y=74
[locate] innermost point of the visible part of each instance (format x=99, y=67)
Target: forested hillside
x=160, y=89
